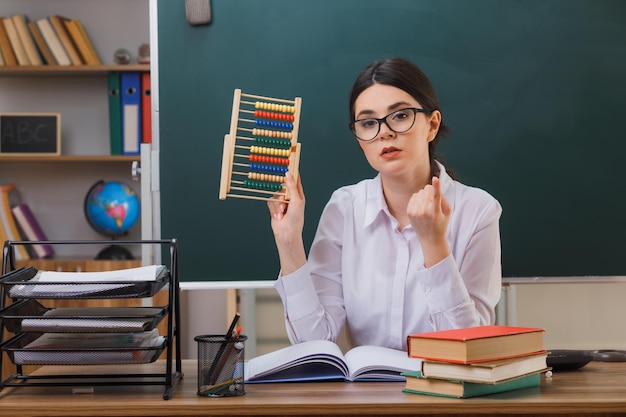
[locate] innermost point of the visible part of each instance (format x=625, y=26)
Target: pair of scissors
x=608, y=355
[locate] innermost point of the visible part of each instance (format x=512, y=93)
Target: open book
x=320, y=360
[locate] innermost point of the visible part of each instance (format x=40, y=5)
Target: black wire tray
x=23, y=283
x=31, y=316
x=80, y=353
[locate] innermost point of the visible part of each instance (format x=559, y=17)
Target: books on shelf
x=491, y=372
x=5, y=45
x=7, y=222
x=81, y=40
x=319, y=360
x=16, y=43
x=53, y=41
x=21, y=26
x=476, y=344
x=31, y=230
x=58, y=24
x=43, y=47
x=417, y=384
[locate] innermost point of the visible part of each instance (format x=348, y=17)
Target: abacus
x=260, y=148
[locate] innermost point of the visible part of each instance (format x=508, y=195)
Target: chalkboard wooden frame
x=48, y=145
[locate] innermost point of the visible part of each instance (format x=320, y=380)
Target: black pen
x=222, y=348
x=233, y=324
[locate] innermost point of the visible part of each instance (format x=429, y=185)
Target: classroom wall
x=575, y=316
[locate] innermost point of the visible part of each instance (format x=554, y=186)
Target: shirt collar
x=376, y=205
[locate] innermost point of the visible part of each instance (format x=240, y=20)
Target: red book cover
x=146, y=108
x=477, y=332
x=476, y=344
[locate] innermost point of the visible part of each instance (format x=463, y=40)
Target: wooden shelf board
x=69, y=69
x=69, y=158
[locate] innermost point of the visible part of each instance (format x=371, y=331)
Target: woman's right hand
x=287, y=225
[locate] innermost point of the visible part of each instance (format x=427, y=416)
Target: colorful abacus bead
x=260, y=114
x=283, y=108
x=271, y=133
x=265, y=177
x=260, y=185
x=274, y=125
x=278, y=143
x=270, y=151
x=269, y=169
x=269, y=159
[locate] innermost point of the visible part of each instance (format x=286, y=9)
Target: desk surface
x=598, y=389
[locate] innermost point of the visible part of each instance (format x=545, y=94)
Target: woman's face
x=392, y=153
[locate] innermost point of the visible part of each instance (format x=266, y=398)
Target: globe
x=111, y=209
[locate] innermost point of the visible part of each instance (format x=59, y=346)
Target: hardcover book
x=5, y=45
x=416, y=384
x=476, y=344
x=492, y=372
x=319, y=360
x=8, y=222
x=58, y=24
x=21, y=26
x=53, y=41
x=31, y=230
x=82, y=42
x=45, y=50
x=16, y=42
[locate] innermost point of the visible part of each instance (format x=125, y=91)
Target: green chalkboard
x=533, y=90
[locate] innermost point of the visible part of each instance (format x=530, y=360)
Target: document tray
x=20, y=354
x=23, y=284
x=31, y=316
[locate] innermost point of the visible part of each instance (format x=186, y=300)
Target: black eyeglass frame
x=384, y=120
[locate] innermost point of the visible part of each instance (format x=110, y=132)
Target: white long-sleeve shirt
x=365, y=273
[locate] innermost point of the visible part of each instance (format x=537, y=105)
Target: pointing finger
x=437, y=189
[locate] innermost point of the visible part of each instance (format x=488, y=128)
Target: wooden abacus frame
x=281, y=144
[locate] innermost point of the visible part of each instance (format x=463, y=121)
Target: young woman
x=409, y=251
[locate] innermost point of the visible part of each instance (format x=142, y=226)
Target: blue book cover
x=131, y=112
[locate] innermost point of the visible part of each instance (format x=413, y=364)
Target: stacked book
x=53, y=40
x=476, y=361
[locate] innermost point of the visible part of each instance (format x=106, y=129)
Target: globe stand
x=115, y=252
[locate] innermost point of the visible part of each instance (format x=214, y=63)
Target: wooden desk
x=599, y=389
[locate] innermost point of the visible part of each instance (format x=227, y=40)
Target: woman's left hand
x=429, y=213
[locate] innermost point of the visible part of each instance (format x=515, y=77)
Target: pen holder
x=220, y=365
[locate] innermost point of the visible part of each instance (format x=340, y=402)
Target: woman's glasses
x=398, y=121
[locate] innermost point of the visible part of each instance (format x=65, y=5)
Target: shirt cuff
x=444, y=286
x=298, y=293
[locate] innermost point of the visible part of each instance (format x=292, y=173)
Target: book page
x=104, y=318
x=377, y=363
x=139, y=274
x=81, y=283
x=313, y=360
